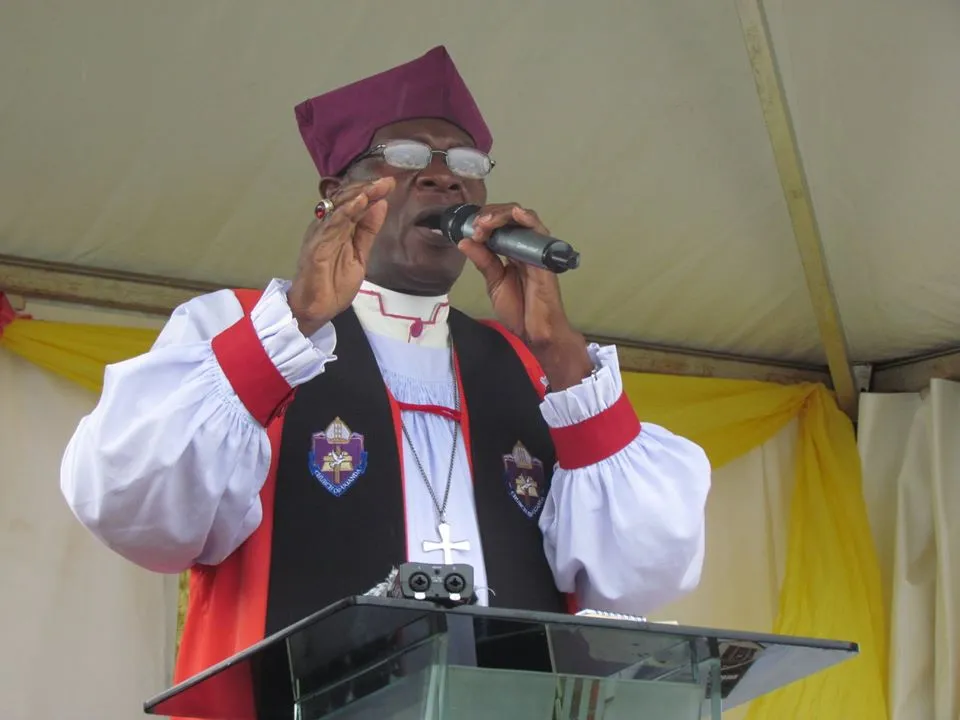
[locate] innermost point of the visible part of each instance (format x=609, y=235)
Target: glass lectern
x=389, y=659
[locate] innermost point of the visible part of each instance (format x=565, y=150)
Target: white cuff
x=298, y=358
x=592, y=396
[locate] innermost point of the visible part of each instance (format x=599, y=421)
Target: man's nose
x=437, y=177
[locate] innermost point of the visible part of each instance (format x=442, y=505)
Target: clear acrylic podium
x=386, y=659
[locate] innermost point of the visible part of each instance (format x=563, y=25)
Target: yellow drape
x=831, y=587
x=74, y=351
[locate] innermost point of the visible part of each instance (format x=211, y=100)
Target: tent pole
x=776, y=114
x=152, y=295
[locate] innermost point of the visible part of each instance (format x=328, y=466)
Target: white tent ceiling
x=158, y=137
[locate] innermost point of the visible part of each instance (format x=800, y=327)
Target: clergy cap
x=338, y=126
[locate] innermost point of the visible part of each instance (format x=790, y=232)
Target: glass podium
x=391, y=659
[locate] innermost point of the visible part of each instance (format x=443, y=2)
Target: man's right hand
x=333, y=259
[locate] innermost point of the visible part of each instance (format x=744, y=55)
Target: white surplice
x=168, y=468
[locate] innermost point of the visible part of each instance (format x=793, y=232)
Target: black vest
x=326, y=547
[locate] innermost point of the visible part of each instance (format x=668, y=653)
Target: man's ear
x=329, y=186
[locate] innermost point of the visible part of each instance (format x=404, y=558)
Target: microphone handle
x=525, y=245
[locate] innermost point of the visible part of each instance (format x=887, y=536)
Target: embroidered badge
x=524, y=476
x=337, y=457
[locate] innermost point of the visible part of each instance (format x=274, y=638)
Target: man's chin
x=431, y=267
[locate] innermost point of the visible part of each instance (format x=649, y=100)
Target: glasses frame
x=379, y=151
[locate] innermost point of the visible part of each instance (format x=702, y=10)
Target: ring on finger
x=323, y=208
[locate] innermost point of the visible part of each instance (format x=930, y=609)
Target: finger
x=349, y=211
x=344, y=222
x=528, y=218
x=489, y=265
x=367, y=229
x=379, y=189
x=348, y=191
x=332, y=227
x=353, y=208
x=339, y=227
x=370, y=222
x=496, y=216
x=520, y=267
x=344, y=194
x=543, y=283
x=490, y=218
x=534, y=279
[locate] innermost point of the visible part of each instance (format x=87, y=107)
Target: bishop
x=337, y=419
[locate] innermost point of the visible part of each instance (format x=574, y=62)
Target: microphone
x=512, y=241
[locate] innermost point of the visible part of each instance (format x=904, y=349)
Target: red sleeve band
x=250, y=372
x=598, y=437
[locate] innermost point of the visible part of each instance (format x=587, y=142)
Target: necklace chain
x=441, y=509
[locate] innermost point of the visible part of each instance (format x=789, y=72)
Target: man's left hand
x=526, y=299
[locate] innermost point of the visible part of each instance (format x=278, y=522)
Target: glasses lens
x=407, y=154
x=469, y=162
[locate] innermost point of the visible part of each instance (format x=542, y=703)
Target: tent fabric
x=830, y=559
x=911, y=462
x=160, y=138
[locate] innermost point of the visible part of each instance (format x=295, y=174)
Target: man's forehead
x=434, y=131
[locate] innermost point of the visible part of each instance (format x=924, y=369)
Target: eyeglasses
x=466, y=162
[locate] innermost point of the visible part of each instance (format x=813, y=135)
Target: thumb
x=489, y=265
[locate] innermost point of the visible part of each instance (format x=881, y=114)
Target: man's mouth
x=429, y=219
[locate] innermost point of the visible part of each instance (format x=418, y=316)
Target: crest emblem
x=524, y=476
x=337, y=457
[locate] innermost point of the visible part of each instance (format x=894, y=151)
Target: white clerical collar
x=411, y=318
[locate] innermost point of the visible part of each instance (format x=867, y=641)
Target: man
x=291, y=446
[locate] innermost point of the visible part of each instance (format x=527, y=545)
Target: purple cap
x=338, y=126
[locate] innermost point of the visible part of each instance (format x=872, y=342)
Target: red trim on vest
x=596, y=438
x=530, y=362
x=398, y=436
x=448, y=413
x=464, y=417
x=249, y=370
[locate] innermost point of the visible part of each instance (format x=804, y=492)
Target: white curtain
x=910, y=449
x=747, y=515
x=85, y=634
x=95, y=633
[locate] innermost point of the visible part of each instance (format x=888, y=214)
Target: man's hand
x=526, y=299
x=333, y=259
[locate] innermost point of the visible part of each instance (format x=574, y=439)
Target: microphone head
x=453, y=221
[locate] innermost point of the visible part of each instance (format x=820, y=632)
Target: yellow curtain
x=832, y=584
x=831, y=588
x=74, y=351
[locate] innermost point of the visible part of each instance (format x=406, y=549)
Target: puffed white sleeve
x=623, y=523
x=167, y=469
